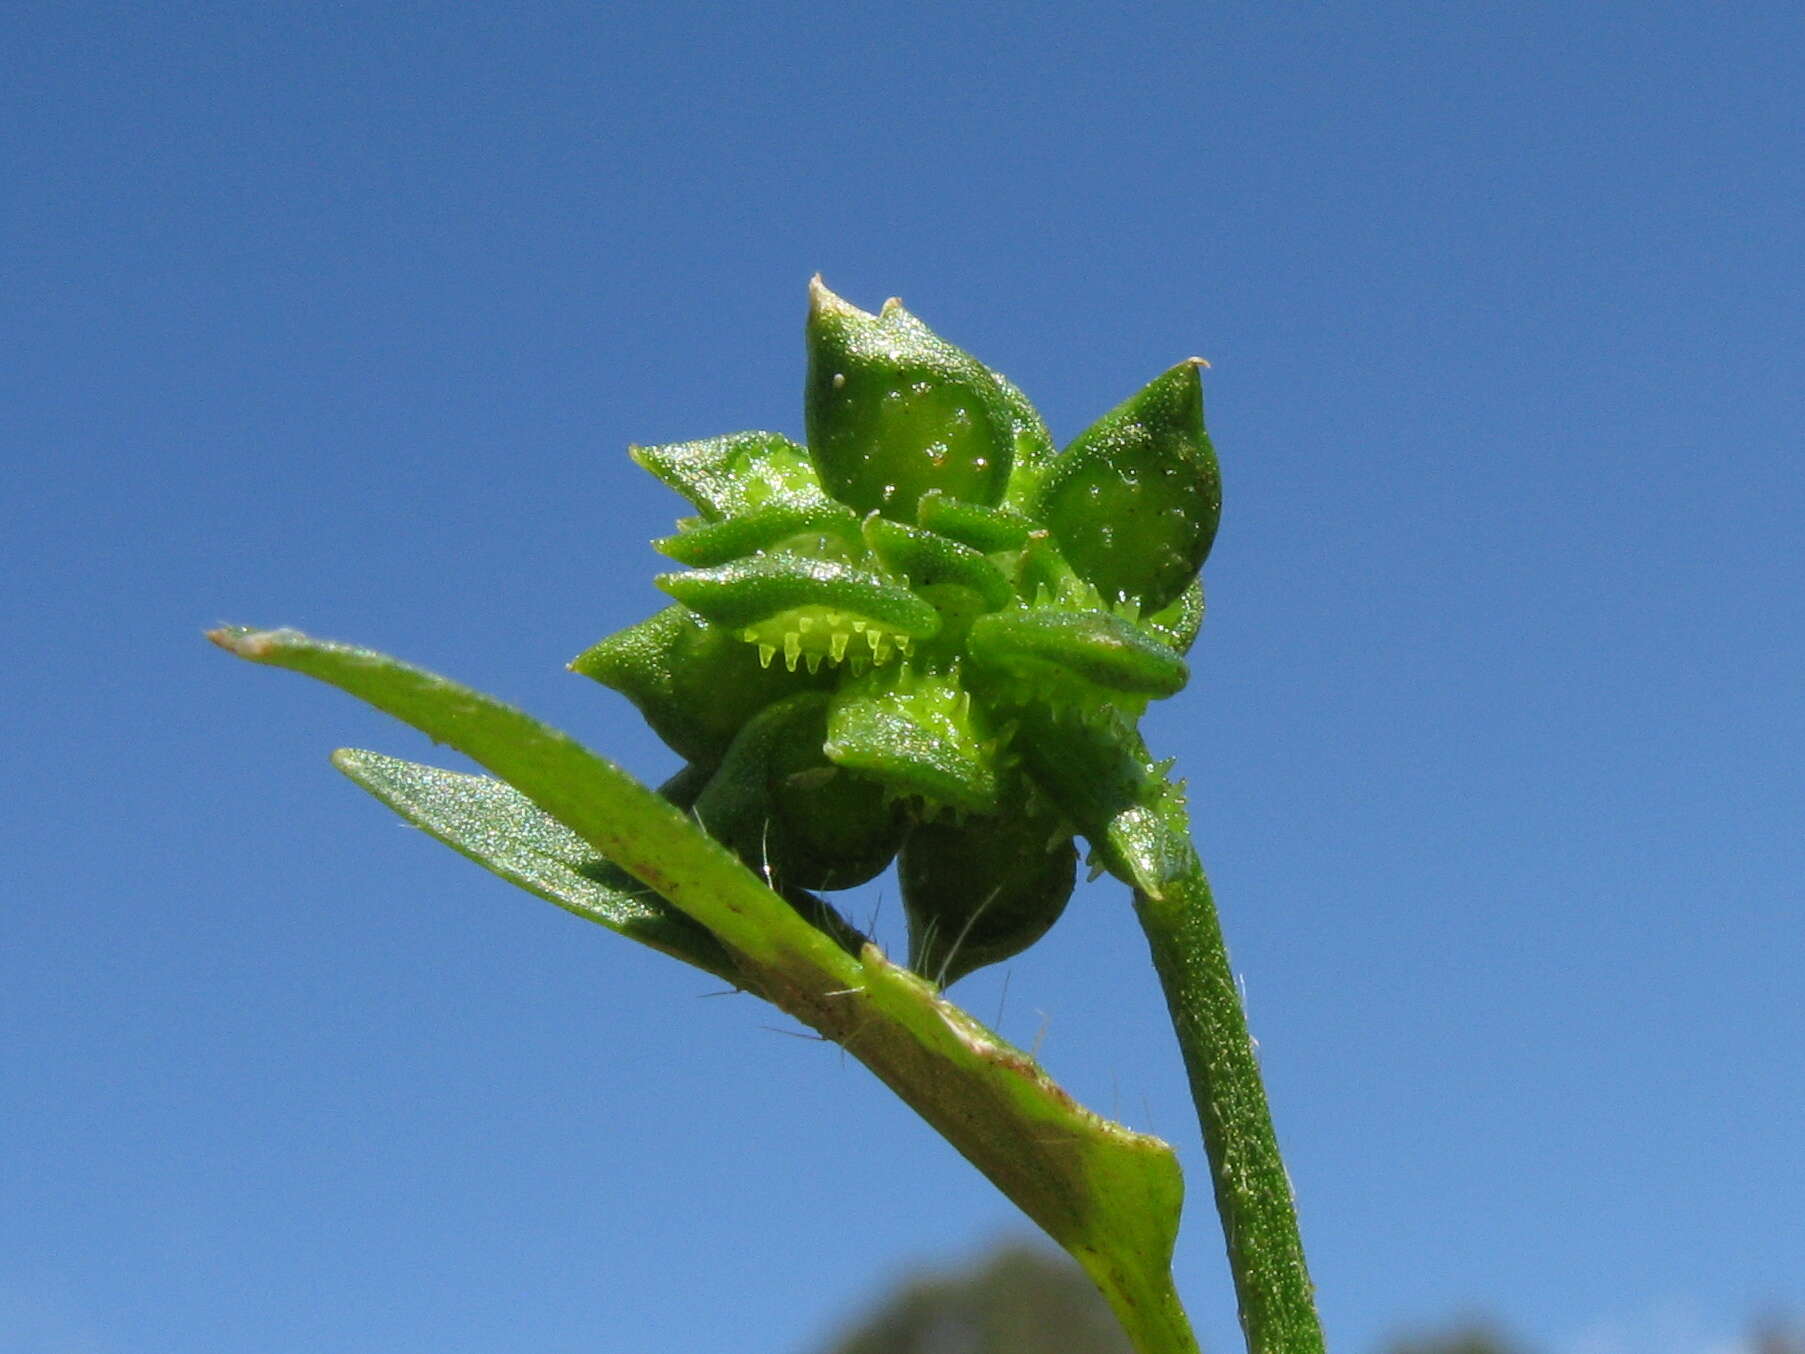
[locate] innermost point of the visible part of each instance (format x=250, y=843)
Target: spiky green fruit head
x=866, y=622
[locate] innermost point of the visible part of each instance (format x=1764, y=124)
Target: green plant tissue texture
x=948, y=577
x=1135, y=500
x=502, y=830
x=894, y=411
x=1108, y=1195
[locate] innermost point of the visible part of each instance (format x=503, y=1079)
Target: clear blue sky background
x=341, y=316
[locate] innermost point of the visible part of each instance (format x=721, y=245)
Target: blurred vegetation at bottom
x=1024, y=1300
x=1019, y=1300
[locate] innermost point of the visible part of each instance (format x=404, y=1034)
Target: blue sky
x=342, y=317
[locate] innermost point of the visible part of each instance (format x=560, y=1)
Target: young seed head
x=870, y=620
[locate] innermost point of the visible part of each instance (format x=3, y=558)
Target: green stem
x=1253, y=1192
x=1099, y=772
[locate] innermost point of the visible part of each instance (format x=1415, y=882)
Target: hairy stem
x=1253, y=1192
x=1100, y=773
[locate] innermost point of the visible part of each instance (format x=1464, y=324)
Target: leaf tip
x=247, y=642
x=825, y=303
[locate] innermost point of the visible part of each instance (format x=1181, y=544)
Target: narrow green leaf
x=624, y=821
x=500, y=829
x=1110, y=1196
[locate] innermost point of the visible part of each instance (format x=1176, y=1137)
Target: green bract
x=876, y=630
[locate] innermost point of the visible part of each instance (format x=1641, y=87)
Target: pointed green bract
x=738, y=473
x=696, y=683
x=827, y=530
x=918, y=734
x=931, y=561
x=1134, y=501
x=1032, y=643
x=893, y=411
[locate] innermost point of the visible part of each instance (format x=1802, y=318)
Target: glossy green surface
x=933, y=562
x=1135, y=500
x=927, y=632
x=1110, y=1196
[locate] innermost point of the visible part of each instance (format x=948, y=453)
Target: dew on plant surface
x=937, y=617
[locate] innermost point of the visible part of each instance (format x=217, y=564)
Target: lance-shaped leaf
x=1109, y=1196
x=503, y=831
x=1134, y=501
x=893, y=410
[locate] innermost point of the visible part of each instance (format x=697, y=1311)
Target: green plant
x=926, y=636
